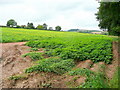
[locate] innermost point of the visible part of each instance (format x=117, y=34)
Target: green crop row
x=34, y=55
x=96, y=50
x=55, y=65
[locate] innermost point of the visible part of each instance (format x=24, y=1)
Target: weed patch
x=81, y=71
x=93, y=80
x=34, y=55
x=114, y=83
x=18, y=77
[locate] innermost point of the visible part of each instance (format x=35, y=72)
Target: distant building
x=96, y=32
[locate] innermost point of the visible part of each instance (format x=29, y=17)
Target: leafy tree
x=109, y=17
x=23, y=26
x=50, y=28
x=11, y=23
x=45, y=26
x=18, y=26
x=58, y=28
x=30, y=25
x=40, y=27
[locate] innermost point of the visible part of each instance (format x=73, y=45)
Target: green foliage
x=93, y=80
x=58, y=28
x=18, y=26
x=114, y=83
x=115, y=31
x=44, y=26
x=96, y=50
x=33, y=49
x=63, y=66
x=34, y=55
x=109, y=17
x=40, y=27
x=23, y=26
x=50, y=28
x=55, y=65
x=45, y=44
x=104, y=33
x=11, y=23
x=80, y=71
x=67, y=45
x=17, y=77
x=30, y=25
x=46, y=85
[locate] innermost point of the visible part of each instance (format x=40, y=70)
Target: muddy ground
x=12, y=63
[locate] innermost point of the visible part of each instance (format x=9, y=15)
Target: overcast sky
x=69, y=14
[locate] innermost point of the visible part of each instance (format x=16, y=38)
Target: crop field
x=67, y=45
x=64, y=50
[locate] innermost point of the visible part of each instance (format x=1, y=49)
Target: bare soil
x=13, y=64
x=111, y=68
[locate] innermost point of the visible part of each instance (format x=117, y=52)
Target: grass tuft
x=18, y=77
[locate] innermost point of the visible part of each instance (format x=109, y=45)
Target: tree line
x=13, y=23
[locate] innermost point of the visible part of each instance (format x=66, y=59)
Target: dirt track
x=12, y=64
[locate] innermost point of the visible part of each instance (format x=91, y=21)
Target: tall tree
x=23, y=26
x=109, y=17
x=50, y=28
x=45, y=26
x=58, y=28
x=11, y=23
x=30, y=25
